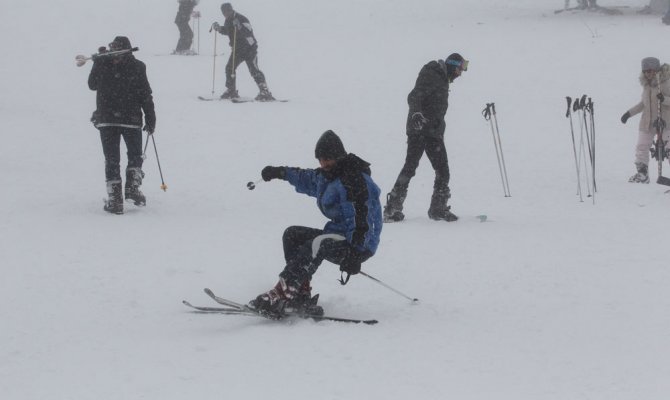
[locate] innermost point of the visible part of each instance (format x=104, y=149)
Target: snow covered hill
x=550, y=298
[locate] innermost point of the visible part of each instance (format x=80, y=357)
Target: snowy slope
x=551, y=298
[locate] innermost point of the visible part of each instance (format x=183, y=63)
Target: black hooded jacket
x=430, y=97
x=123, y=92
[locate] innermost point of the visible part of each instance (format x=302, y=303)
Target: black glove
x=269, y=173
x=216, y=26
x=418, y=121
x=625, y=117
x=660, y=97
x=149, y=128
x=351, y=263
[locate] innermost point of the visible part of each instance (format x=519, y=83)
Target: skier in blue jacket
x=349, y=198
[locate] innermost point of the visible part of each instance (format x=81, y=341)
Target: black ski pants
x=111, y=143
x=306, y=248
x=437, y=155
x=234, y=61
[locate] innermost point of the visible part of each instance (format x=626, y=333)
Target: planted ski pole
x=491, y=116
x=214, y=62
x=160, y=171
x=413, y=300
x=80, y=60
x=568, y=114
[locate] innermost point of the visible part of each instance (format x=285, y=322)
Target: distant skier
x=185, y=32
x=428, y=103
x=349, y=198
x=123, y=93
x=652, y=74
x=244, y=49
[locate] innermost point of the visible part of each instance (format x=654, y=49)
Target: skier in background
x=653, y=75
x=185, y=32
x=428, y=103
x=244, y=49
x=123, y=93
x=349, y=198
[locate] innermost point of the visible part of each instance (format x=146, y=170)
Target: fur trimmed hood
x=664, y=75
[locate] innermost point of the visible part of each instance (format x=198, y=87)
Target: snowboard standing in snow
x=349, y=198
x=244, y=49
x=428, y=103
x=123, y=95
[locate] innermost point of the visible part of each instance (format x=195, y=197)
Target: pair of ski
x=242, y=100
x=233, y=308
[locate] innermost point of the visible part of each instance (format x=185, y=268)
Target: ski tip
x=208, y=291
x=370, y=322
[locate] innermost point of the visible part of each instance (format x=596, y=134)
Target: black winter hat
x=329, y=147
x=120, y=43
x=226, y=7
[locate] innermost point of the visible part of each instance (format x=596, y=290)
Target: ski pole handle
x=569, y=100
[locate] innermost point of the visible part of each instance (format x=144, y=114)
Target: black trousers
x=252, y=63
x=185, y=36
x=111, y=143
x=437, y=155
x=306, y=248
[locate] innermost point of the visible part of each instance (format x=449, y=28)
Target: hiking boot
x=230, y=94
x=642, y=175
x=114, y=202
x=133, y=182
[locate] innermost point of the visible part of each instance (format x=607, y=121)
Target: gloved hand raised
x=269, y=173
x=418, y=121
x=625, y=117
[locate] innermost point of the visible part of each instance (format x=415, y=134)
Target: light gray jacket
x=648, y=106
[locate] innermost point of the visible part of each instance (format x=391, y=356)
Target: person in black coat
x=428, y=103
x=244, y=49
x=123, y=94
x=185, y=32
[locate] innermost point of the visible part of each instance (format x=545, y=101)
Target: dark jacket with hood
x=123, y=90
x=240, y=34
x=430, y=97
x=348, y=197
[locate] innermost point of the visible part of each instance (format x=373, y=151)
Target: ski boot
x=439, y=211
x=642, y=175
x=114, y=202
x=273, y=303
x=264, y=94
x=133, y=182
x=393, y=208
x=229, y=94
x=304, y=303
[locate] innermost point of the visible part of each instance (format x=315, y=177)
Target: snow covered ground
x=551, y=298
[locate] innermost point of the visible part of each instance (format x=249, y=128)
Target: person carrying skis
x=185, y=32
x=349, y=198
x=428, y=103
x=123, y=93
x=655, y=81
x=244, y=49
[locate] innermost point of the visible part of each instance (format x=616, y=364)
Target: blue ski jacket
x=348, y=197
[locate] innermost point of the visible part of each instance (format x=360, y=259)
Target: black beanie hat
x=226, y=7
x=120, y=43
x=329, y=147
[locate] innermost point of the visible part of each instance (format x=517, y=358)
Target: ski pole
x=413, y=300
x=80, y=60
x=252, y=185
x=214, y=62
x=163, y=185
x=568, y=115
x=660, y=144
x=491, y=116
